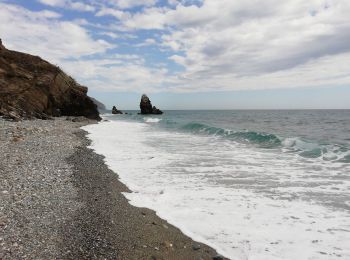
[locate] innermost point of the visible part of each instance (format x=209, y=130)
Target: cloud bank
x=188, y=46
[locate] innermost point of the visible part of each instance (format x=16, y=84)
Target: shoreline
x=60, y=200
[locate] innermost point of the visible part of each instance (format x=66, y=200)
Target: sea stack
x=31, y=87
x=147, y=108
x=115, y=111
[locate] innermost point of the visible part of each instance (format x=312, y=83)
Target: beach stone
x=167, y=244
x=79, y=119
x=57, y=112
x=73, y=203
x=196, y=246
x=12, y=115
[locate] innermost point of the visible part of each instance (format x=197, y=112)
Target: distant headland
x=31, y=87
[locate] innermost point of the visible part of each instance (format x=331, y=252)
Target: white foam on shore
x=151, y=120
x=244, y=202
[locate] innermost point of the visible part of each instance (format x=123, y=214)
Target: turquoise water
x=252, y=184
x=308, y=133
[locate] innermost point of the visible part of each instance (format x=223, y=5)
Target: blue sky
x=208, y=54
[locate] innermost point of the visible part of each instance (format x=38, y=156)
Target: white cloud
x=173, y=2
x=150, y=18
x=125, y=4
x=105, y=11
x=40, y=34
x=53, y=2
x=49, y=14
x=119, y=73
x=326, y=71
x=111, y=35
x=261, y=41
x=68, y=4
x=221, y=45
x=246, y=44
x=81, y=7
x=69, y=45
x=147, y=42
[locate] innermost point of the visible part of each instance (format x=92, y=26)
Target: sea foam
x=151, y=120
x=244, y=202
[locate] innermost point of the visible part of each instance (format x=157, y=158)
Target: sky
x=192, y=54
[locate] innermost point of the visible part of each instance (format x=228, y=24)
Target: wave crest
x=296, y=145
x=152, y=120
x=264, y=140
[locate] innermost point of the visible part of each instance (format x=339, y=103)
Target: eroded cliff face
x=32, y=87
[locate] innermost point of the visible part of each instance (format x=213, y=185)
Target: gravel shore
x=60, y=201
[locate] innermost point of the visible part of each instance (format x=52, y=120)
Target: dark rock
x=156, y=111
x=31, y=87
x=56, y=112
x=12, y=116
x=115, y=111
x=43, y=116
x=147, y=108
x=218, y=257
x=196, y=246
x=145, y=105
x=79, y=119
x=99, y=104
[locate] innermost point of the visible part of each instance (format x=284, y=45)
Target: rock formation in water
x=32, y=87
x=115, y=111
x=147, y=108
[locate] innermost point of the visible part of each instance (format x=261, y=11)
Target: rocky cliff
x=32, y=87
x=100, y=105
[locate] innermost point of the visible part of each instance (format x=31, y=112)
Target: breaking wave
x=261, y=139
x=304, y=148
x=151, y=120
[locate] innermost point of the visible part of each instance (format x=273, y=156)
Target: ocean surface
x=252, y=184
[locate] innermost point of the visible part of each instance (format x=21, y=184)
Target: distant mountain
x=99, y=104
x=32, y=87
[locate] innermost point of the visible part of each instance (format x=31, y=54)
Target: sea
x=252, y=184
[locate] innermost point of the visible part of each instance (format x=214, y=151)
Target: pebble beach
x=60, y=201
